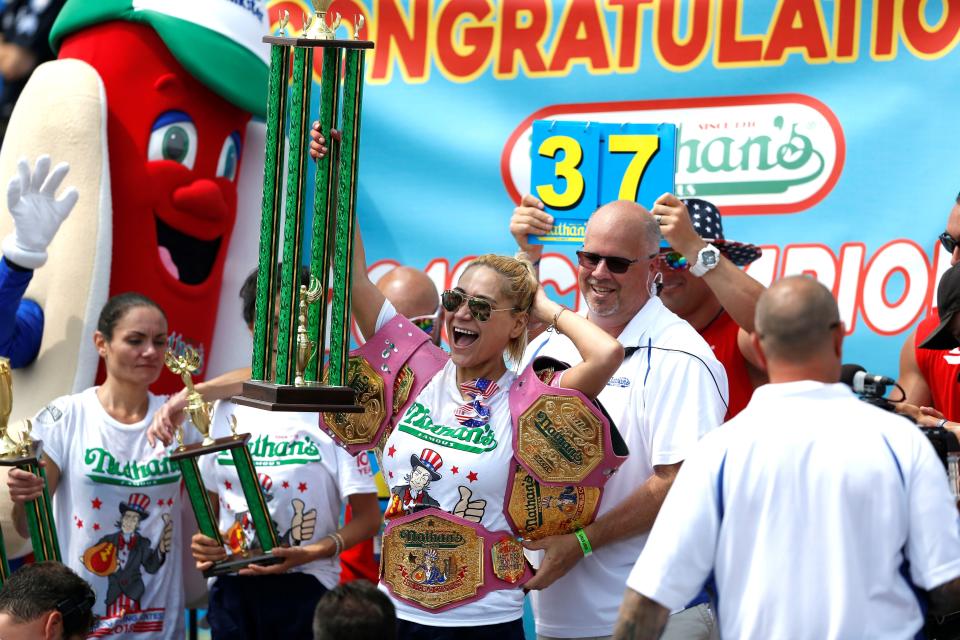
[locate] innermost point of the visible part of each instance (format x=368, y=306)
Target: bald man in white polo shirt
x=817, y=514
x=669, y=391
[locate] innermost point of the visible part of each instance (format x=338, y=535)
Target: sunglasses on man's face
x=947, y=241
x=425, y=323
x=675, y=261
x=480, y=309
x=615, y=264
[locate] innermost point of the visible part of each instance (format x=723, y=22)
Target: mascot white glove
x=37, y=214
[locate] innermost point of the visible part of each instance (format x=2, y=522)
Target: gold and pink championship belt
x=565, y=449
x=436, y=561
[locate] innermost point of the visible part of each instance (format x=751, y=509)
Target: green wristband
x=584, y=542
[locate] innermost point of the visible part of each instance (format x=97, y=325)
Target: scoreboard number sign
x=577, y=166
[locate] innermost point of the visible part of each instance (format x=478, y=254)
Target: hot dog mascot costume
x=148, y=103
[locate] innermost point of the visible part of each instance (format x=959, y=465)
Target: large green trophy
x=200, y=414
x=25, y=453
x=293, y=381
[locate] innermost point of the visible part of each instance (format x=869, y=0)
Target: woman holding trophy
x=116, y=498
x=447, y=436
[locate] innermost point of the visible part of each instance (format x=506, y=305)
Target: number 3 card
x=577, y=166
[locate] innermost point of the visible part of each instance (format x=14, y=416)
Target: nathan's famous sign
x=463, y=39
x=777, y=153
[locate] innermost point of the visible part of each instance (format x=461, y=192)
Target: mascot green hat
x=217, y=41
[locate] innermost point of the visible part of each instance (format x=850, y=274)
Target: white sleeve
x=678, y=556
x=933, y=537
x=51, y=425
x=684, y=400
x=387, y=313
x=354, y=474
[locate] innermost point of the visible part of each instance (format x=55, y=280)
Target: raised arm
x=735, y=290
x=601, y=353
x=365, y=299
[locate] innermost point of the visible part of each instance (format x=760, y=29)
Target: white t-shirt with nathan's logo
x=116, y=496
x=306, y=480
x=470, y=459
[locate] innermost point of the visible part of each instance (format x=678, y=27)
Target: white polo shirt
x=805, y=506
x=668, y=392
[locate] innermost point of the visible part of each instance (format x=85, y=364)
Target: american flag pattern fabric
x=709, y=226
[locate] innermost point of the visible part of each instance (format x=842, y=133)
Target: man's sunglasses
x=675, y=260
x=615, y=264
x=426, y=323
x=480, y=309
x=947, y=241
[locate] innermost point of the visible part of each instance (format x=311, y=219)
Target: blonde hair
x=519, y=285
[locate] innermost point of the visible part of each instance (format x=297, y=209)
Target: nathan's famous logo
x=556, y=438
x=746, y=154
x=417, y=422
x=104, y=468
x=437, y=539
x=272, y=453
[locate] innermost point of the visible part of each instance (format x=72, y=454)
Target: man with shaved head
x=415, y=296
x=817, y=514
x=669, y=391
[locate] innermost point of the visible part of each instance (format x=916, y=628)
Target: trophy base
x=199, y=449
x=20, y=457
x=309, y=398
x=238, y=561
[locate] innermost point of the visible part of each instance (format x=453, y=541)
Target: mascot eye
x=174, y=137
x=229, y=157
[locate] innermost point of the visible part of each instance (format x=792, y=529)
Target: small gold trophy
x=25, y=453
x=186, y=456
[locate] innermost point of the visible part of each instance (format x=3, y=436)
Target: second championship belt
x=565, y=449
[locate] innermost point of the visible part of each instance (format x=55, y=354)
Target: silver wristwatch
x=707, y=259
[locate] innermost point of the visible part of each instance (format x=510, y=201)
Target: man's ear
x=53, y=629
x=838, y=334
x=758, y=349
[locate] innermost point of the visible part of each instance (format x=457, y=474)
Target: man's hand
x=23, y=485
x=168, y=419
x=36, y=212
x=292, y=557
x=530, y=218
x=562, y=553
x=640, y=618
x=677, y=227
x=206, y=551
x=468, y=509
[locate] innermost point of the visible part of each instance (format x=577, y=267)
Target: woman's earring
x=657, y=285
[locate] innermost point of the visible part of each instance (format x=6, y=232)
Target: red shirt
x=940, y=369
x=721, y=335
x=359, y=561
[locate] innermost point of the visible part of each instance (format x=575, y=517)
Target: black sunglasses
x=480, y=309
x=947, y=241
x=615, y=264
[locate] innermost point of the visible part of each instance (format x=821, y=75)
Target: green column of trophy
x=291, y=382
x=25, y=453
x=187, y=455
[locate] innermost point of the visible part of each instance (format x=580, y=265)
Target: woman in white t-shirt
x=116, y=499
x=426, y=468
